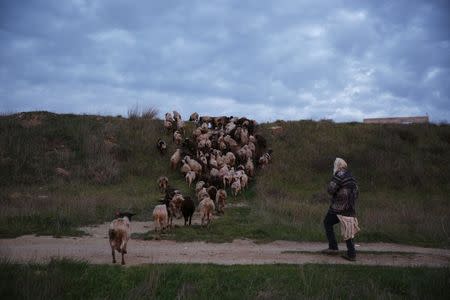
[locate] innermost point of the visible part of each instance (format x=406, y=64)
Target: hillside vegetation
x=58, y=172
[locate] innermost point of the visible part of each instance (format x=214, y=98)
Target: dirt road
x=95, y=249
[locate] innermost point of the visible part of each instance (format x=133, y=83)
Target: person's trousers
x=329, y=221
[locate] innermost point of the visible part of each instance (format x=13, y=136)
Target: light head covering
x=339, y=164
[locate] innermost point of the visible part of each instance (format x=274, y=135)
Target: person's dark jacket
x=344, y=190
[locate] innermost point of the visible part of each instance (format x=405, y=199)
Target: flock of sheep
x=220, y=153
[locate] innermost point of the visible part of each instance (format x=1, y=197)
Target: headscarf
x=339, y=164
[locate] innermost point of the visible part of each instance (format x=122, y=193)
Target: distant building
x=397, y=120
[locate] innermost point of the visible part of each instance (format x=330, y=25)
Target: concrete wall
x=397, y=120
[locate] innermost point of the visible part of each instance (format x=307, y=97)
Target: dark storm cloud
x=269, y=60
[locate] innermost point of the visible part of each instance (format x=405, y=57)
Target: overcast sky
x=268, y=60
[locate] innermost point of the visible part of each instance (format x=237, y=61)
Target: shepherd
x=344, y=191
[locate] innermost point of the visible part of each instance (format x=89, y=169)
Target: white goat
x=119, y=233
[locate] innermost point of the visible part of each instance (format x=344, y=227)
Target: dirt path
x=95, y=249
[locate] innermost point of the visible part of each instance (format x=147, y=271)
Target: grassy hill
x=111, y=163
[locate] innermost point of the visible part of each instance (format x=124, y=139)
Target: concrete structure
x=397, y=120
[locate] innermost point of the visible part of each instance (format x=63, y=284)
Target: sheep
x=187, y=208
x=185, y=168
x=119, y=233
x=236, y=188
x=199, y=186
x=228, y=177
x=203, y=193
x=176, y=115
x=212, y=191
x=177, y=137
x=190, y=177
x=244, y=153
x=205, y=119
x=189, y=147
x=160, y=217
x=265, y=159
x=221, y=197
x=213, y=162
x=230, y=159
x=174, y=207
x=177, y=200
x=163, y=183
x=180, y=125
x=214, y=172
x=195, y=165
x=229, y=127
x=193, y=117
x=244, y=181
x=169, y=117
x=206, y=207
x=161, y=146
x=244, y=136
x=250, y=168
x=231, y=143
x=168, y=126
x=175, y=159
x=203, y=159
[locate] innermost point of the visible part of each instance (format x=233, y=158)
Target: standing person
x=344, y=190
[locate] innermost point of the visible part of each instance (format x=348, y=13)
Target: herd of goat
x=222, y=152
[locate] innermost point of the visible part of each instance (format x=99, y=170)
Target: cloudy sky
x=268, y=60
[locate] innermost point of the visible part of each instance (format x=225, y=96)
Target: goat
x=168, y=125
x=163, y=183
x=193, y=117
x=160, y=217
x=190, y=177
x=199, y=186
x=119, y=233
x=187, y=208
x=265, y=159
x=244, y=181
x=206, y=208
x=212, y=191
x=177, y=137
x=250, y=168
x=175, y=159
x=221, y=197
x=176, y=202
x=203, y=193
x=236, y=188
x=161, y=146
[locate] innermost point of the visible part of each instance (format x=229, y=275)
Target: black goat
x=187, y=208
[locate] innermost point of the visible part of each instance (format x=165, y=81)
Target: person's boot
x=347, y=257
x=329, y=251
